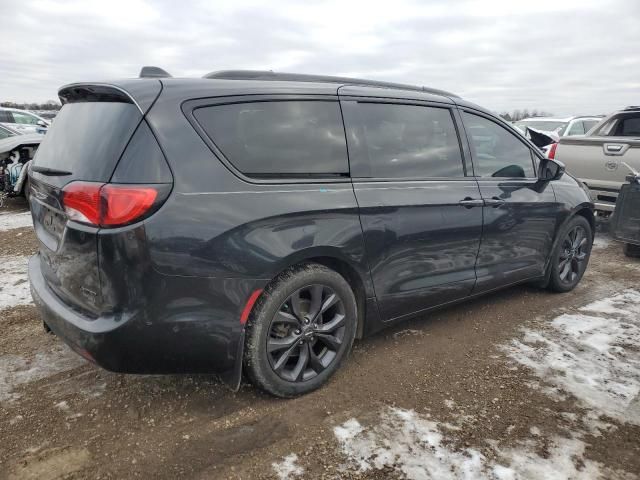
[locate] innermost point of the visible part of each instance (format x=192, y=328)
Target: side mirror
x=41, y=123
x=550, y=170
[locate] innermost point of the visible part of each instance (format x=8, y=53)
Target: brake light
x=81, y=201
x=107, y=205
x=552, y=151
x=125, y=204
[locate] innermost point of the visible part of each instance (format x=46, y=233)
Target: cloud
x=574, y=56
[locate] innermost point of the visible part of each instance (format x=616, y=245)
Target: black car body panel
x=169, y=293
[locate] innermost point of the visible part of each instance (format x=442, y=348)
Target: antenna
x=153, y=72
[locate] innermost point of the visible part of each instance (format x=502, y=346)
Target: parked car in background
x=555, y=128
x=259, y=222
x=48, y=115
x=23, y=121
x=6, y=132
x=16, y=152
x=563, y=127
x=597, y=159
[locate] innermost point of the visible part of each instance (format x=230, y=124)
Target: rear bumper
x=604, y=200
x=191, y=342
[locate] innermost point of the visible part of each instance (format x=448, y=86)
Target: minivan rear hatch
x=84, y=143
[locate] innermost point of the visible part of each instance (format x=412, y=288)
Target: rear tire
x=571, y=254
x=27, y=192
x=631, y=250
x=300, y=330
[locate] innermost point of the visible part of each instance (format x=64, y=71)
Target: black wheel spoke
x=286, y=318
x=582, y=243
x=330, y=341
x=301, y=366
x=314, y=361
x=275, y=344
x=316, y=300
x=565, y=271
x=330, y=302
x=335, y=323
x=577, y=239
x=282, y=360
x=296, y=305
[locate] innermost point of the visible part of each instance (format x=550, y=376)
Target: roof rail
x=301, y=77
x=632, y=107
x=153, y=72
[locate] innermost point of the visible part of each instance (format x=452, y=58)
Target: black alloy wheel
x=573, y=254
x=306, y=333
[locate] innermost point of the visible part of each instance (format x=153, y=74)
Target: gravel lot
x=522, y=384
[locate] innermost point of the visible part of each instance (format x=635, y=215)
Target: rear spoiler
x=139, y=92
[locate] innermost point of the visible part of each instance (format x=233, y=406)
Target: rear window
x=88, y=138
x=402, y=141
x=279, y=138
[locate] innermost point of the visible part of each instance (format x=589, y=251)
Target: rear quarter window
x=278, y=138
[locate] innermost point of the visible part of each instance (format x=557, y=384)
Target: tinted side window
x=402, y=141
x=295, y=138
x=498, y=152
x=630, y=127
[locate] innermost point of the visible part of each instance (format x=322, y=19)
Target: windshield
x=545, y=125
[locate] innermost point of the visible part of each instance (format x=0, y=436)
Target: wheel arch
x=586, y=212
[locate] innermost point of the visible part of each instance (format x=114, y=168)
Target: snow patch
x=9, y=221
x=409, y=443
x=416, y=449
x=288, y=467
x=595, y=358
x=565, y=460
x=14, y=283
x=16, y=370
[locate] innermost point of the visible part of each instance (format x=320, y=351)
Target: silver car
x=23, y=121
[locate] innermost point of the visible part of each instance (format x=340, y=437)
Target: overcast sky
x=564, y=56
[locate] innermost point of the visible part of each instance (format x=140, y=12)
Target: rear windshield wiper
x=49, y=171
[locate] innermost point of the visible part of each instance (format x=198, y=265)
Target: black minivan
x=258, y=222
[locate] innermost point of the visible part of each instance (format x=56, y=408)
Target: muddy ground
x=61, y=417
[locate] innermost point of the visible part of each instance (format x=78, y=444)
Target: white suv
x=563, y=127
x=23, y=121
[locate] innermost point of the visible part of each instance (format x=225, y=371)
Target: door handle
x=469, y=202
x=495, y=202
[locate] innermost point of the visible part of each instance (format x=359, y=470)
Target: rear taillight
x=552, y=151
x=110, y=205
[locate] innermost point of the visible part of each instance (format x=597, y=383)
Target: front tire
x=571, y=255
x=300, y=330
x=631, y=250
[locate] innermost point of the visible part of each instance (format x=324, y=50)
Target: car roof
x=247, y=82
x=557, y=119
